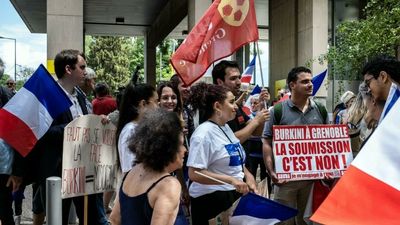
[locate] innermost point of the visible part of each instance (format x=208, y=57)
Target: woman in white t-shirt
x=135, y=102
x=215, y=152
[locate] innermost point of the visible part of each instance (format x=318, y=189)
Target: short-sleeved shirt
x=291, y=115
x=126, y=156
x=210, y=149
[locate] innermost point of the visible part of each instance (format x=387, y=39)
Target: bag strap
x=278, y=112
x=322, y=110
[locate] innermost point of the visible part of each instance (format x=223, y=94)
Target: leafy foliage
x=109, y=57
x=115, y=58
x=358, y=41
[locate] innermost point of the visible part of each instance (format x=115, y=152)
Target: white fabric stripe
x=27, y=108
x=392, y=90
x=249, y=220
x=380, y=156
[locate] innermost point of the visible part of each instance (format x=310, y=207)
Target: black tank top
x=136, y=210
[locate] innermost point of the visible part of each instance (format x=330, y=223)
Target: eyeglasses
x=10, y=84
x=368, y=81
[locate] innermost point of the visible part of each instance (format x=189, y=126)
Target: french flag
x=29, y=114
x=253, y=209
x=248, y=73
x=369, y=191
x=247, y=105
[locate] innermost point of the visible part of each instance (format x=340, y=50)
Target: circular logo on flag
x=233, y=12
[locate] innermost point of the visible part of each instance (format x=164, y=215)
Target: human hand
x=264, y=95
x=185, y=197
x=275, y=180
x=14, y=182
x=240, y=186
x=104, y=119
x=252, y=185
x=262, y=116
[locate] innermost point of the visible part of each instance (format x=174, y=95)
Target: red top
x=104, y=105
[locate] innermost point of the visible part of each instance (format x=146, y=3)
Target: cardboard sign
x=310, y=152
x=89, y=157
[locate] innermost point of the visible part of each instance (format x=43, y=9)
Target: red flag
x=225, y=27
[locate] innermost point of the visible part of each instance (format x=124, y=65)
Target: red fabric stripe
x=245, y=79
x=359, y=198
x=16, y=133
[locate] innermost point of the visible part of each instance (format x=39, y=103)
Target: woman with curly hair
x=149, y=194
x=216, y=152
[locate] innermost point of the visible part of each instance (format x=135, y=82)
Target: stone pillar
x=196, y=9
x=64, y=27
x=298, y=35
x=283, y=45
x=149, y=62
x=313, y=36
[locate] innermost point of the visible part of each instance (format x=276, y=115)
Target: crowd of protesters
x=186, y=154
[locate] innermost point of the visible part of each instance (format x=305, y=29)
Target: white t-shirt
x=126, y=156
x=210, y=149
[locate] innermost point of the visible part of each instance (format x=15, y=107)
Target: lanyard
x=237, y=148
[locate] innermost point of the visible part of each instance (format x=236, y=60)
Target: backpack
x=278, y=111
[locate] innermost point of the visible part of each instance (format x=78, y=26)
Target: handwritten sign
x=311, y=152
x=89, y=157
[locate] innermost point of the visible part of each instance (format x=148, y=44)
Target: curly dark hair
x=64, y=58
x=175, y=89
x=203, y=96
x=156, y=141
x=385, y=63
x=219, y=70
x=292, y=76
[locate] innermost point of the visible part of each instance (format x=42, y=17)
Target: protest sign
x=307, y=152
x=89, y=157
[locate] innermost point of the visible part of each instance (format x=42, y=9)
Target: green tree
x=110, y=58
x=163, y=54
x=359, y=41
x=137, y=56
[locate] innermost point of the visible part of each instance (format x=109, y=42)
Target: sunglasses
x=10, y=83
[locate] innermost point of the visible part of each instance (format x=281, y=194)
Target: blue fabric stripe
x=317, y=81
x=396, y=96
x=48, y=92
x=263, y=208
x=256, y=90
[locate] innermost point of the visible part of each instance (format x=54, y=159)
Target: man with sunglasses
x=11, y=86
x=379, y=75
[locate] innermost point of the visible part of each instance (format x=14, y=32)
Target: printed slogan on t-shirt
x=308, y=152
x=89, y=157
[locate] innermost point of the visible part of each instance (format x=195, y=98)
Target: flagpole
x=212, y=178
x=255, y=70
x=261, y=72
x=259, y=63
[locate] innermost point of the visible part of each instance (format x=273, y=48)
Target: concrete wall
x=64, y=26
x=298, y=34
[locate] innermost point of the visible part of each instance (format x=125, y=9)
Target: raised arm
x=253, y=127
